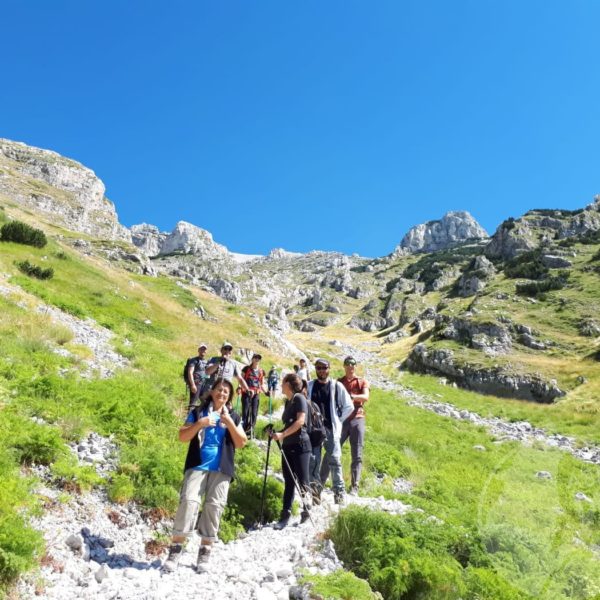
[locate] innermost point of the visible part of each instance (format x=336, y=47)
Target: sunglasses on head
x=350, y=363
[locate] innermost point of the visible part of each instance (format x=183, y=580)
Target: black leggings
x=299, y=459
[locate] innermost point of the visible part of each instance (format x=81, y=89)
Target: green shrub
x=537, y=288
x=528, y=266
x=34, y=270
x=406, y=557
x=484, y=584
x=340, y=584
x=38, y=444
x=21, y=233
x=121, y=489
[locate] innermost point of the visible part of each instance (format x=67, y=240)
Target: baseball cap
x=322, y=361
x=256, y=356
x=226, y=345
x=202, y=345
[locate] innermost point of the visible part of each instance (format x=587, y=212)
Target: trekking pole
x=296, y=484
x=264, y=487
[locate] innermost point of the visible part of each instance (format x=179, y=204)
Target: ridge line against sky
x=335, y=126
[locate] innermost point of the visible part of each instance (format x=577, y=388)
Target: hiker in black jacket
x=214, y=432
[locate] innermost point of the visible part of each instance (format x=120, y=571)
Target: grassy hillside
x=489, y=528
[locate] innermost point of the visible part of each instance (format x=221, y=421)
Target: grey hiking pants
x=214, y=487
x=355, y=430
x=332, y=461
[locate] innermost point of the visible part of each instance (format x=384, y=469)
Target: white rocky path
x=97, y=549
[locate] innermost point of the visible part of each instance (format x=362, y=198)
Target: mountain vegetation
x=95, y=325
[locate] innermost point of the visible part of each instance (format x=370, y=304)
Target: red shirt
x=356, y=386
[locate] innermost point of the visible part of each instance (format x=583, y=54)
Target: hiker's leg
x=255, y=403
x=345, y=431
x=246, y=412
x=193, y=486
x=333, y=456
x=357, y=440
x=315, y=466
x=288, y=490
x=217, y=487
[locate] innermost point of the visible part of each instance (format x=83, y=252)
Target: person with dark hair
x=225, y=367
x=335, y=406
x=353, y=427
x=196, y=374
x=295, y=445
x=214, y=433
x=254, y=377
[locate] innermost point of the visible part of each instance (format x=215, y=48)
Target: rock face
x=61, y=188
x=539, y=226
x=495, y=381
x=474, y=279
x=185, y=239
x=454, y=228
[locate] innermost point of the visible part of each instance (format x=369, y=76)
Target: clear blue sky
x=326, y=124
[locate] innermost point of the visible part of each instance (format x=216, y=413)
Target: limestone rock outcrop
x=59, y=188
x=455, y=227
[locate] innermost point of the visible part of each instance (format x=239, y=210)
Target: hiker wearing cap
x=272, y=381
x=254, y=377
x=196, y=374
x=224, y=367
x=354, y=426
x=214, y=433
x=335, y=405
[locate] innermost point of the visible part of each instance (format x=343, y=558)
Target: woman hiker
x=214, y=432
x=296, y=448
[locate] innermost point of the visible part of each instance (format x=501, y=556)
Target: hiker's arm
x=191, y=379
x=189, y=430
x=211, y=368
x=243, y=383
x=360, y=399
x=295, y=426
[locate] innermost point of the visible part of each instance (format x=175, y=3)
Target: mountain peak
x=453, y=228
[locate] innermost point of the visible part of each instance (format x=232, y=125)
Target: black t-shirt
x=291, y=409
x=321, y=395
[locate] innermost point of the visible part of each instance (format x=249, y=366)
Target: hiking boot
x=175, y=552
x=304, y=516
x=203, y=556
x=339, y=498
x=354, y=490
x=283, y=520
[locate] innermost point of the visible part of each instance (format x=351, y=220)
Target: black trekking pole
x=264, y=487
x=296, y=484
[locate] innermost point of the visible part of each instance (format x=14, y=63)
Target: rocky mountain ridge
x=443, y=302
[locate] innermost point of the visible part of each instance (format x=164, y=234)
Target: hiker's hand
x=208, y=421
x=194, y=389
x=277, y=436
x=226, y=418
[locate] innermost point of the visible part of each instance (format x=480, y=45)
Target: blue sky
x=332, y=125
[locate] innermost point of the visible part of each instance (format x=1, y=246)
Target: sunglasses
x=321, y=368
x=350, y=363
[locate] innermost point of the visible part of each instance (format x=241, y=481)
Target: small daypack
x=315, y=426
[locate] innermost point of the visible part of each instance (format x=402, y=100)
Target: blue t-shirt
x=212, y=445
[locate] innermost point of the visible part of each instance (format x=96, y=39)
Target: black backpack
x=188, y=363
x=315, y=426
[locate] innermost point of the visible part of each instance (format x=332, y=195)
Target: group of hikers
x=319, y=415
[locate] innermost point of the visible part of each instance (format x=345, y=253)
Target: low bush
x=34, y=270
x=340, y=584
x=21, y=233
x=121, y=489
x=537, y=288
x=417, y=557
x=528, y=266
